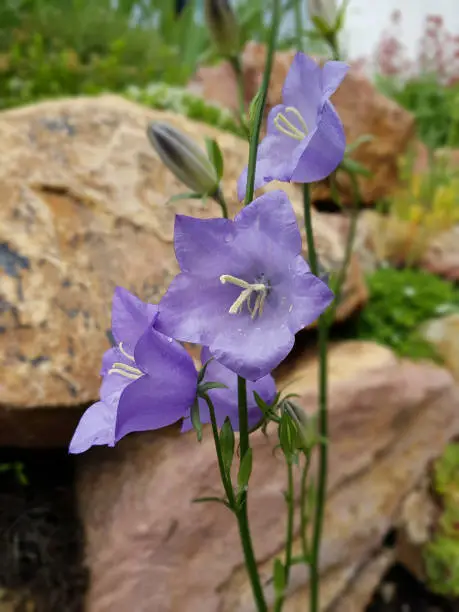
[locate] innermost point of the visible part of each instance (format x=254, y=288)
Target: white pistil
x=285, y=126
x=125, y=370
x=245, y=296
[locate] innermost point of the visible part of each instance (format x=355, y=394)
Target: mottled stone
x=83, y=210
x=149, y=548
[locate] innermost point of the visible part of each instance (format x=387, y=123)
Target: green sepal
x=245, y=470
x=227, y=444
x=196, y=419
x=215, y=156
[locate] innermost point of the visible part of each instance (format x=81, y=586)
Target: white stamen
x=125, y=370
x=287, y=127
x=123, y=352
x=260, y=289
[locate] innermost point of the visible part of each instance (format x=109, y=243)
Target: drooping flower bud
x=223, y=27
x=183, y=158
x=325, y=10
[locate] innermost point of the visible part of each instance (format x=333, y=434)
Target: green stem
x=290, y=513
x=312, y=256
x=303, y=505
x=290, y=499
x=220, y=199
x=225, y=477
x=319, y=509
x=354, y=216
x=242, y=516
x=243, y=416
x=299, y=24
x=323, y=420
x=237, y=67
x=260, y=107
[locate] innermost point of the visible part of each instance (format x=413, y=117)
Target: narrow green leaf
x=219, y=500
x=186, y=196
x=215, y=155
x=278, y=576
x=227, y=444
x=254, y=109
x=353, y=167
x=202, y=371
x=245, y=470
x=205, y=387
x=359, y=141
x=196, y=420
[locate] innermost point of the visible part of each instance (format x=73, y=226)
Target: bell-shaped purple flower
x=225, y=400
x=135, y=394
x=305, y=138
x=244, y=289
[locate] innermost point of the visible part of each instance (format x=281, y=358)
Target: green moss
x=178, y=99
x=441, y=555
x=400, y=301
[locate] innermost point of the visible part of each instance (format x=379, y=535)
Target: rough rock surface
x=363, y=110
x=84, y=209
x=149, y=548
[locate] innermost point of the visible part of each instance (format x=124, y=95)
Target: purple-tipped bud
x=183, y=158
x=223, y=27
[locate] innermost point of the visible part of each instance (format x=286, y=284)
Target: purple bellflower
x=135, y=394
x=244, y=289
x=225, y=400
x=305, y=138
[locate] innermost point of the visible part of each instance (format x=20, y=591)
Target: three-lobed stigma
x=285, y=126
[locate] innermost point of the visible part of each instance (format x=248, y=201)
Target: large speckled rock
x=363, y=110
x=84, y=209
x=150, y=548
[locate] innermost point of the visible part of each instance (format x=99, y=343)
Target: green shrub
x=400, y=300
x=179, y=100
x=441, y=555
x=435, y=107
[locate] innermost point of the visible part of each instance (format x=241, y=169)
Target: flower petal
x=333, y=74
x=272, y=215
x=193, y=309
x=162, y=358
x=325, y=150
x=256, y=348
x=130, y=318
x=303, y=88
x=197, y=240
x=96, y=427
x=225, y=401
x=310, y=296
x=145, y=405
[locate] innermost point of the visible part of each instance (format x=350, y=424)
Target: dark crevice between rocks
x=41, y=539
x=400, y=591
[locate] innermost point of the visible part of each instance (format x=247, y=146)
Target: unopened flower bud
x=325, y=10
x=183, y=158
x=223, y=27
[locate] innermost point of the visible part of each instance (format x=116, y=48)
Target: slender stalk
x=242, y=516
x=257, y=119
x=322, y=421
x=299, y=24
x=237, y=67
x=220, y=199
x=226, y=478
x=303, y=505
x=243, y=416
x=290, y=499
x=312, y=256
x=354, y=216
x=290, y=513
x=323, y=466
